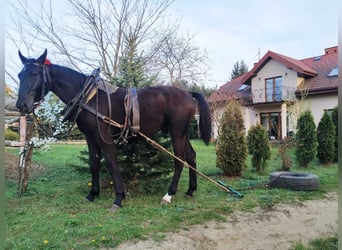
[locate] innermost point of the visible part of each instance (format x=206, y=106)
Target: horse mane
x=79, y=76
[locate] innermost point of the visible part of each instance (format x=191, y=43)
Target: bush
x=259, y=147
x=287, y=143
x=144, y=169
x=334, y=117
x=231, y=145
x=326, y=139
x=11, y=135
x=306, y=137
x=193, y=130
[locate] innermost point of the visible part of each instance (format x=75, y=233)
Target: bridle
x=46, y=81
x=46, y=87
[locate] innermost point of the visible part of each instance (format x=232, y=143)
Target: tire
x=294, y=181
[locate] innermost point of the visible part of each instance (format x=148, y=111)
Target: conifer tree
x=259, y=147
x=239, y=68
x=231, y=146
x=143, y=168
x=306, y=138
x=334, y=117
x=326, y=139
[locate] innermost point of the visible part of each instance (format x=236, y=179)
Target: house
x=278, y=89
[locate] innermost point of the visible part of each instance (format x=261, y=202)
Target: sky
x=232, y=31
x=245, y=30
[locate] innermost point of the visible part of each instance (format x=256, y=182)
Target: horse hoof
x=188, y=196
x=164, y=202
x=115, y=207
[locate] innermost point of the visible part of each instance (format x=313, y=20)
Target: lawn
x=54, y=215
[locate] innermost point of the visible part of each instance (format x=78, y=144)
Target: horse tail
x=205, y=117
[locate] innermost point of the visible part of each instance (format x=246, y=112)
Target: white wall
x=272, y=69
x=318, y=103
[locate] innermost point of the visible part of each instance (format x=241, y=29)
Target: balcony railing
x=270, y=95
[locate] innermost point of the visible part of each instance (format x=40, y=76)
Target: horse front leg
x=95, y=165
x=113, y=167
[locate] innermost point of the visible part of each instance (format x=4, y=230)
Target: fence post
x=25, y=157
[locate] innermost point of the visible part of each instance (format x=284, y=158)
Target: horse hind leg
x=191, y=160
x=178, y=147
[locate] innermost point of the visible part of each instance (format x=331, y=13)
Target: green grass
x=54, y=209
x=319, y=244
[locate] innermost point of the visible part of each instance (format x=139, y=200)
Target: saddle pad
x=103, y=85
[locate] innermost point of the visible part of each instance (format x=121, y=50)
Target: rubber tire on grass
x=294, y=181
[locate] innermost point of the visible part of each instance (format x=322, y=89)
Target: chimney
x=331, y=50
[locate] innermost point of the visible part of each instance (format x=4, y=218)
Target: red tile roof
x=289, y=62
x=322, y=65
x=314, y=69
x=230, y=91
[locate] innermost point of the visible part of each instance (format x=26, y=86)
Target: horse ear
x=22, y=58
x=42, y=58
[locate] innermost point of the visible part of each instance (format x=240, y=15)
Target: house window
x=273, y=89
x=333, y=72
x=272, y=123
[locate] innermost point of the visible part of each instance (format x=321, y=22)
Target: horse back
x=164, y=107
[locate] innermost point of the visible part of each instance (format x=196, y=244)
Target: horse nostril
x=22, y=107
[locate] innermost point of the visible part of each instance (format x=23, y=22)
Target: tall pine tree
x=239, y=68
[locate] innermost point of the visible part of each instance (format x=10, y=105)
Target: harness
x=80, y=102
x=47, y=83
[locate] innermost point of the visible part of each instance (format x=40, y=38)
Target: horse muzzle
x=25, y=107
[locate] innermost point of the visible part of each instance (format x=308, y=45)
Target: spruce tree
x=239, y=68
x=143, y=168
x=231, y=146
x=259, y=147
x=326, y=139
x=306, y=138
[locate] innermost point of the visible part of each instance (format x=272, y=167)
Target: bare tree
x=100, y=32
x=180, y=60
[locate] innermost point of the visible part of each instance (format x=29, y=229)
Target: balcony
x=271, y=95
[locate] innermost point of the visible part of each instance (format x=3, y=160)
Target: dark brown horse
x=161, y=108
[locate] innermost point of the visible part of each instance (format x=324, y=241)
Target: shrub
x=306, y=137
x=287, y=143
x=193, y=129
x=326, y=139
x=144, y=169
x=231, y=145
x=259, y=147
x=11, y=135
x=334, y=117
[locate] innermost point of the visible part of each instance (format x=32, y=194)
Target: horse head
x=35, y=82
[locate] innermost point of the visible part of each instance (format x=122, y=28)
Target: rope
x=160, y=147
x=107, y=120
